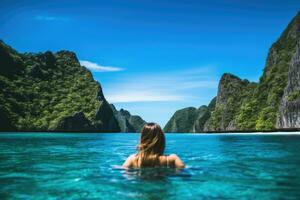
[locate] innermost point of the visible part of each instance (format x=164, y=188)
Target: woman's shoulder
x=130, y=161
x=173, y=155
x=132, y=156
x=174, y=160
x=169, y=157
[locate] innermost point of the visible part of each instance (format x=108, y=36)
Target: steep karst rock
x=182, y=121
x=289, y=111
x=202, y=118
x=44, y=91
x=77, y=122
x=270, y=104
x=227, y=103
x=128, y=123
x=189, y=120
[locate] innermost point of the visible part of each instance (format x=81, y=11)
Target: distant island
x=53, y=92
x=272, y=104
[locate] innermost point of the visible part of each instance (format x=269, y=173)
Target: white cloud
x=159, y=87
x=140, y=96
x=99, y=68
x=50, y=18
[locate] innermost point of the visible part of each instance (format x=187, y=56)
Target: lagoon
x=87, y=166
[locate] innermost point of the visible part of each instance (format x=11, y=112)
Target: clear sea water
x=87, y=166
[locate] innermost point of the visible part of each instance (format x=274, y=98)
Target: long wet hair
x=151, y=146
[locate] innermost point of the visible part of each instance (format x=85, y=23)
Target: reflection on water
x=87, y=166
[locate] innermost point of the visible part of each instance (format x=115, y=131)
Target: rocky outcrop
x=50, y=91
x=228, y=100
x=182, y=121
x=128, y=123
x=77, y=122
x=189, y=120
x=10, y=61
x=105, y=119
x=270, y=104
x=289, y=110
x=202, y=119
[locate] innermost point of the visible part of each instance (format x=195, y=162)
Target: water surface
x=85, y=166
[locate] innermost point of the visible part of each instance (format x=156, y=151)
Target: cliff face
x=189, y=120
x=270, y=89
x=183, y=120
x=271, y=103
x=289, y=110
x=47, y=91
x=128, y=123
x=76, y=122
x=227, y=102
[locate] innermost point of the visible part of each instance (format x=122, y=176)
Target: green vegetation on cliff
x=268, y=94
x=39, y=91
x=189, y=120
x=293, y=96
x=241, y=105
x=128, y=123
x=231, y=92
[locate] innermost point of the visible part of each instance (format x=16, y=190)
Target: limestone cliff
x=50, y=91
x=227, y=103
x=128, y=123
x=270, y=104
x=76, y=123
x=289, y=110
x=189, y=120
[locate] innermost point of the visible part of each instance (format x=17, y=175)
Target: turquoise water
x=86, y=166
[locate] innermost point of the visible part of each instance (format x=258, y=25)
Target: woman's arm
x=129, y=162
x=177, y=161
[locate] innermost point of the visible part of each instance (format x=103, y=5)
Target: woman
x=151, y=150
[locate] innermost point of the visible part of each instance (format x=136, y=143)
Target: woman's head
x=152, y=144
x=152, y=139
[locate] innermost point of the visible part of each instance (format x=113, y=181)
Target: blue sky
x=152, y=57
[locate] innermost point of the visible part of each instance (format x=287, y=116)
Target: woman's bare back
x=164, y=161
